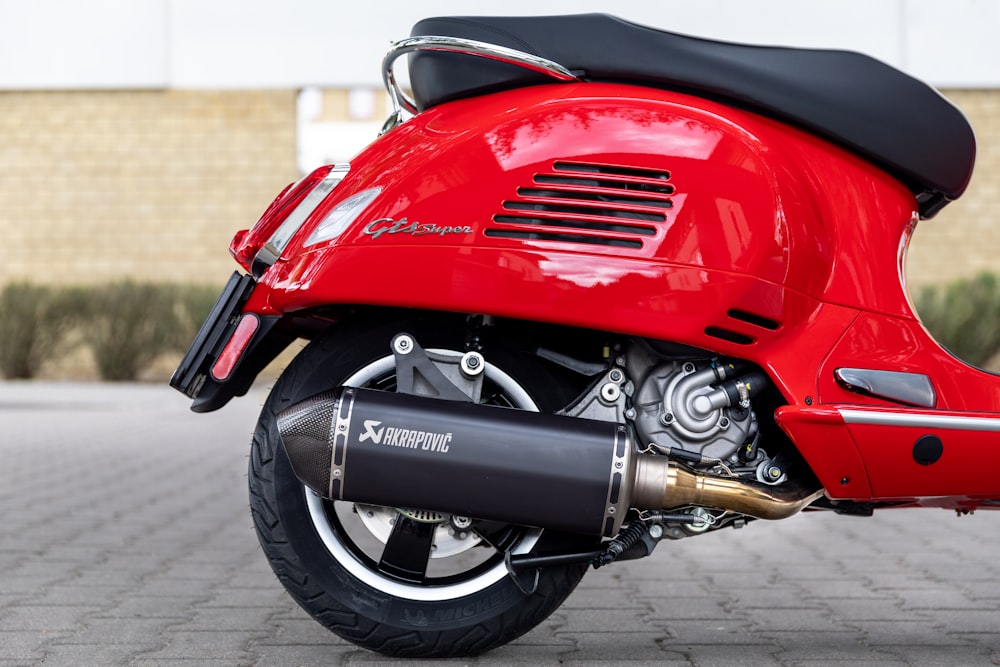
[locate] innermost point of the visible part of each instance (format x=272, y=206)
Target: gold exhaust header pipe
x=662, y=484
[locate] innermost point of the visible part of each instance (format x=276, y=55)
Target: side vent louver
x=588, y=203
x=741, y=316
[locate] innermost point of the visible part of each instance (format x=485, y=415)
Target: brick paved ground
x=125, y=539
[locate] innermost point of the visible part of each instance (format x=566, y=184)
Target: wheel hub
x=452, y=536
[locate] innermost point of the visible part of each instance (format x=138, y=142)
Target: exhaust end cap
x=306, y=431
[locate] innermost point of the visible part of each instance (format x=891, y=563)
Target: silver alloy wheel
x=480, y=575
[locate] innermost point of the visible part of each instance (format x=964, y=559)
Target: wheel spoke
x=408, y=549
x=501, y=536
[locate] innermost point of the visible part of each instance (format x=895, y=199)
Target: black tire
x=322, y=563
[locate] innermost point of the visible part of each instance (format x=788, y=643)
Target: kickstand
x=518, y=576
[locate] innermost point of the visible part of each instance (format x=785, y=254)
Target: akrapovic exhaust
x=494, y=463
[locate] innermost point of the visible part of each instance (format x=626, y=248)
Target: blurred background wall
x=136, y=136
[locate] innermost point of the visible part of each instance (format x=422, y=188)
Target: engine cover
x=673, y=409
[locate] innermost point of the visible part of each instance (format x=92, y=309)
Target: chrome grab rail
x=401, y=102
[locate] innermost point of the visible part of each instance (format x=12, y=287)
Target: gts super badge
x=377, y=228
x=404, y=437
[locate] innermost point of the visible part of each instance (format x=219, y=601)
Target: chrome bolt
x=472, y=363
x=616, y=375
x=656, y=531
x=703, y=523
x=403, y=344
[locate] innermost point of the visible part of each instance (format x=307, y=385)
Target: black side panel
x=882, y=114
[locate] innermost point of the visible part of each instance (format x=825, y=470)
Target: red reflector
x=234, y=349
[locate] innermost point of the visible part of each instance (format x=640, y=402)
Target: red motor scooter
x=596, y=285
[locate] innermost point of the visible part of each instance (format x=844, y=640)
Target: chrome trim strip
x=874, y=418
x=909, y=388
x=401, y=101
x=290, y=226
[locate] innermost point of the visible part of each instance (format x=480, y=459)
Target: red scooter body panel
x=749, y=231
x=748, y=195
x=892, y=453
x=662, y=215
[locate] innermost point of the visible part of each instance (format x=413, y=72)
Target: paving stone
x=219, y=619
x=528, y=654
x=799, y=620
x=25, y=647
x=51, y=618
x=599, y=598
x=945, y=597
x=909, y=633
x=727, y=632
x=727, y=655
x=686, y=609
x=943, y=656
x=854, y=610
x=861, y=662
x=304, y=631
x=75, y=655
x=600, y=620
x=144, y=633
x=786, y=596
x=845, y=587
x=206, y=645
x=316, y=655
x=152, y=560
x=962, y=621
x=620, y=646
x=807, y=645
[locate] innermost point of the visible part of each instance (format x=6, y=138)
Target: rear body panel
x=657, y=214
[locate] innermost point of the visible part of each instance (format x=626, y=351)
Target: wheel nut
x=472, y=363
x=403, y=344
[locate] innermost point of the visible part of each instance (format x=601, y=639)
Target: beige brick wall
x=97, y=186
x=150, y=185
x=964, y=239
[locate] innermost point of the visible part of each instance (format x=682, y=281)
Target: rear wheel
x=401, y=581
